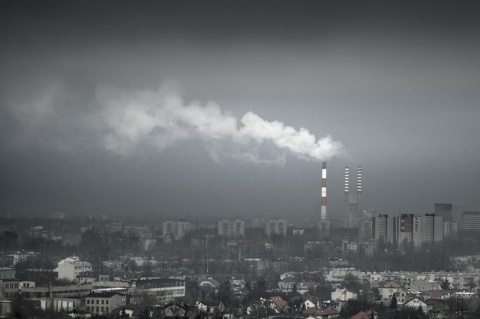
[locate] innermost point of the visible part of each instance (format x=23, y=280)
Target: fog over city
x=229, y=108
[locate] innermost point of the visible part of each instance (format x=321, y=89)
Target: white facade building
x=70, y=267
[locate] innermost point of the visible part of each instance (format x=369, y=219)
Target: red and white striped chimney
x=323, y=208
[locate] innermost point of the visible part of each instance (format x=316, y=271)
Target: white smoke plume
x=162, y=118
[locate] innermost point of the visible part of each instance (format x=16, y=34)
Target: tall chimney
x=346, y=201
x=323, y=209
x=359, y=189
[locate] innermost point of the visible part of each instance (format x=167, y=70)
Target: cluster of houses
x=96, y=294
x=425, y=292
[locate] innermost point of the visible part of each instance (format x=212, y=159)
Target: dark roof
x=106, y=294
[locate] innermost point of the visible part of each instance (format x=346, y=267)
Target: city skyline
x=213, y=109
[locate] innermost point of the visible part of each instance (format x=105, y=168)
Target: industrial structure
x=324, y=224
x=353, y=210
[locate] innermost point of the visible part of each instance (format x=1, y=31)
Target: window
x=106, y=301
x=103, y=301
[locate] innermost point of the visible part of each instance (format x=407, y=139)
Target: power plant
x=323, y=224
x=352, y=210
x=352, y=214
x=323, y=209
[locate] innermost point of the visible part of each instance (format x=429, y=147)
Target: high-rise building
x=231, y=228
x=405, y=228
x=365, y=230
x=432, y=228
x=383, y=228
x=450, y=229
x=175, y=229
x=445, y=210
x=471, y=220
x=276, y=226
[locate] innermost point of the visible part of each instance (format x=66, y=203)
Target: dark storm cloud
x=397, y=84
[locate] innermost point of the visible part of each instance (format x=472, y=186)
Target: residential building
x=383, y=229
x=405, y=228
x=444, y=210
x=432, y=228
x=388, y=289
x=342, y=295
x=424, y=285
x=277, y=227
x=471, y=220
x=175, y=230
x=231, y=228
x=417, y=303
x=104, y=302
x=69, y=268
x=8, y=289
x=450, y=229
x=7, y=273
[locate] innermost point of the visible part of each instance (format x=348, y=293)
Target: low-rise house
x=327, y=313
x=312, y=302
x=278, y=304
x=436, y=294
x=209, y=283
x=370, y=314
x=305, y=287
x=128, y=311
x=417, y=303
x=210, y=308
x=332, y=304
x=402, y=296
x=104, y=303
x=287, y=284
x=388, y=289
x=424, y=285
x=321, y=313
x=342, y=294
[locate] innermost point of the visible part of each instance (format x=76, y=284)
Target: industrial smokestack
x=323, y=209
x=346, y=202
x=359, y=188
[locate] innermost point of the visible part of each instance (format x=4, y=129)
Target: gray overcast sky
x=138, y=108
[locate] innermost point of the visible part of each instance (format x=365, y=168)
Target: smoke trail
x=162, y=118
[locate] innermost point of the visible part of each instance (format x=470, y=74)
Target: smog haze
x=194, y=109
